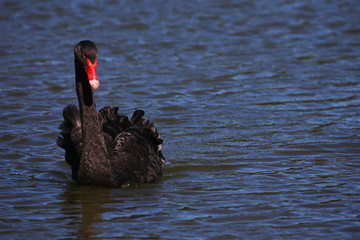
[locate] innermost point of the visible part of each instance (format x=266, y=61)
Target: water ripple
x=258, y=104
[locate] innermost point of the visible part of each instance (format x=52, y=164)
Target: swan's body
x=104, y=148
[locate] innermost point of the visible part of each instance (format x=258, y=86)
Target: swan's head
x=86, y=54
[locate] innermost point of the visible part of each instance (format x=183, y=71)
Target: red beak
x=91, y=72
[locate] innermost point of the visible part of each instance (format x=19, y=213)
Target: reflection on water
x=257, y=101
x=85, y=206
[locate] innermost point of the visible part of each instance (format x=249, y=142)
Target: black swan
x=105, y=148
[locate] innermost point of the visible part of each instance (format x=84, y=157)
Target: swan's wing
x=135, y=151
x=134, y=158
x=147, y=129
x=112, y=122
x=70, y=137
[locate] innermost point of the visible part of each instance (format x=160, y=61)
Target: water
x=257, y=101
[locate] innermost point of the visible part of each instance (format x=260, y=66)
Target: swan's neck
x=94, y=162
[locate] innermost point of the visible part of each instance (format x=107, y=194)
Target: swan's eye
x=83, y=55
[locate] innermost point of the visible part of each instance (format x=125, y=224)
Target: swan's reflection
x=85, y=205
x=93, y=212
